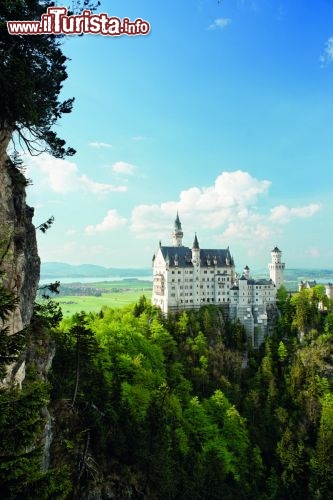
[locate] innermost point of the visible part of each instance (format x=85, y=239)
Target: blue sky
x=223, y=112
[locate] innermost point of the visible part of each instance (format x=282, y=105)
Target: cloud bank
x=233, y=207
x=123, y=168
x=111, y=221
x=63, y=176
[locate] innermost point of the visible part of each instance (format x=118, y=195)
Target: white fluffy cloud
x=63, y=176
x=327, y=56
x=230, y=207
x=220, y=23
x=111, y=221
x=100, y=145
x=229, y=197
x=121, y=167
x=282, y=214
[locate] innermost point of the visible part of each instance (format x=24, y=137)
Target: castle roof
x=178, y=226
x=309, y=283
x=276, y=249
x=208, y=257
x=255, y=282
x=195, y=242
x=261, y=282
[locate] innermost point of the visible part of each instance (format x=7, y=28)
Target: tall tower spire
x=195, y=251
x=276, y=268
x=177, y=235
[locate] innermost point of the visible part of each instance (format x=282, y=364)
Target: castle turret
x=195, y=251
x=177, y=235
x=246, y=272
x=329, y=290
x=276, y=268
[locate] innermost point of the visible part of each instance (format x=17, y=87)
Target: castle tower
x=276, y=268
x=195, y=252
x=177, y=235
x=329, y=290
x=246, y=272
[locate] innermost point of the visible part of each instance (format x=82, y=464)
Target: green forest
x=145, y=406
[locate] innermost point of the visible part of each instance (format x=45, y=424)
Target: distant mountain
x=55, y=270
x=63, y=270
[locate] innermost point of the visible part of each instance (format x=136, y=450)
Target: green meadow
x=115, y=294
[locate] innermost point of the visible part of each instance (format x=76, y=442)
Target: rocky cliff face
x=18, y=249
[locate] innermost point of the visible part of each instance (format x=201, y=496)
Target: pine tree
x=32, y=72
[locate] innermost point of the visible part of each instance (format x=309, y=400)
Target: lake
x=74, y=279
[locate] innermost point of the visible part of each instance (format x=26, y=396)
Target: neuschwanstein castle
x=188, y=278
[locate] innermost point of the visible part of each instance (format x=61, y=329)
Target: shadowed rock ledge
x=19, y=260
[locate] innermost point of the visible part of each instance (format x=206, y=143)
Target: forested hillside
x=145, y=406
